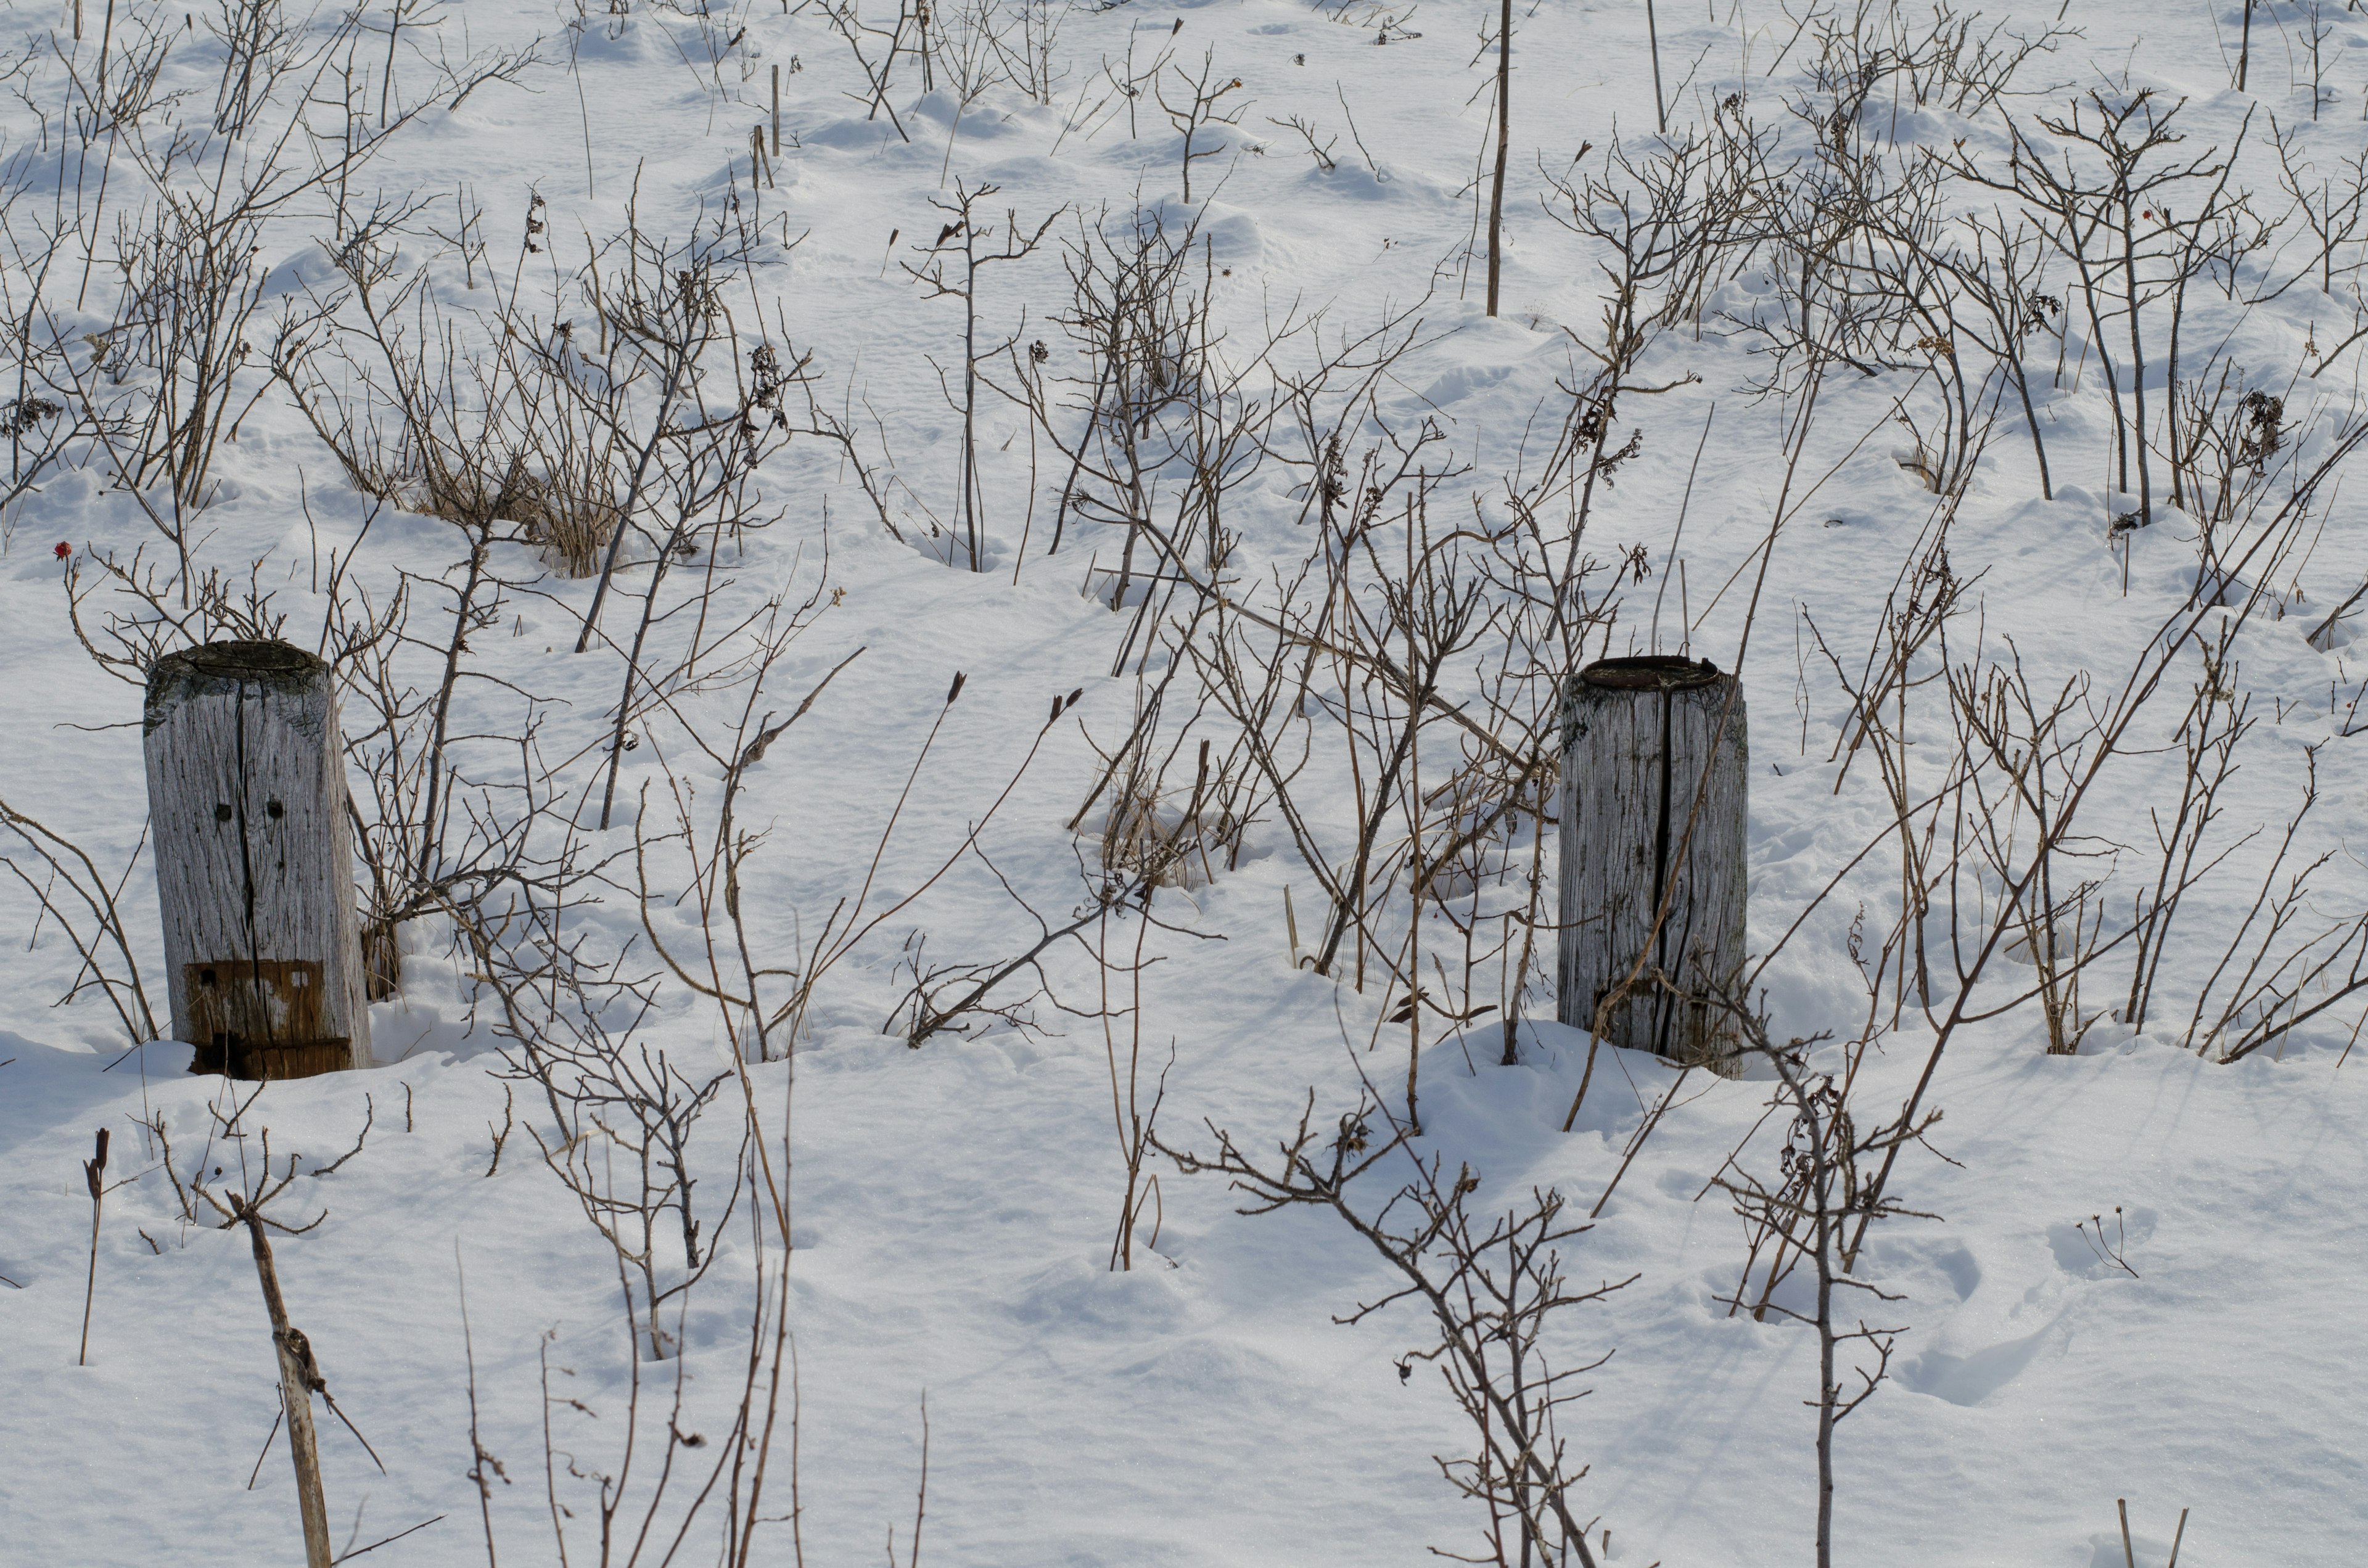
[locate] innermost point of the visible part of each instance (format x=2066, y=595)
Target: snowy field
x=1985, y=388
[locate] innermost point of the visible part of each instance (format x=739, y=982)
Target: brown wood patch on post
x=1642, y=737
x=262, y=1020
x=246, y=797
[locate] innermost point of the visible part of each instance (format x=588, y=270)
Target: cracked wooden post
x=1639, y=735
x=247, y=801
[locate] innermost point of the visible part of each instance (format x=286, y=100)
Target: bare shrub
x=1495, y=1286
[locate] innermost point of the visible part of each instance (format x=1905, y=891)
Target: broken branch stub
x=1654, y=795
x=246, y=793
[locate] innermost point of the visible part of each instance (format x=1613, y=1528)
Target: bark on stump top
x=218, y=668
x=1659, y=672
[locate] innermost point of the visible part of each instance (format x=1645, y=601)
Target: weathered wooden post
x=1639, y=735
x=246, y=800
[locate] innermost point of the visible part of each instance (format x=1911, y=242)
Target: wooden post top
x=216, y=667
x=1658, y=672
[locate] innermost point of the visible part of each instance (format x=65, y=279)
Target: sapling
x=1320, y=152
x=98, y=935
x=1197, y=112
x=300, y=1371
x=2094, y=223
x=2113, y=1252
x=971, y=70
x=1135, y=1125
x=958, y=243
x=91, y=1169
x=1822, y=1187
x=1496, y=1285
x=300, y=1379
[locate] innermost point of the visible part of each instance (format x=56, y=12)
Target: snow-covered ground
x=954, y=1204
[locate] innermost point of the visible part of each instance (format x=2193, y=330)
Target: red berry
x=63, y=550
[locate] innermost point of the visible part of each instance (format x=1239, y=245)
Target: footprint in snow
x=1971, y=1378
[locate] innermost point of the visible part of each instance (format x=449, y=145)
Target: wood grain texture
x=246, y=793
x=1638, y=742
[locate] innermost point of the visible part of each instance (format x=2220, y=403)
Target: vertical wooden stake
x=777, y=112
x=1652, y=36
x=246, y=788
x=1504, y=131
x=298, y=1377
x=1651, y=884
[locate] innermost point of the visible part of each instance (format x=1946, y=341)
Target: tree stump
x=246, y=800
x=1639, y=736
